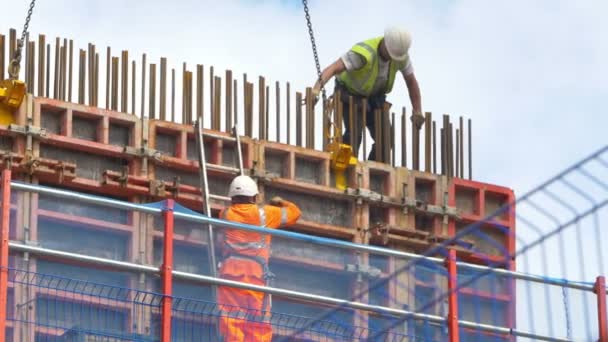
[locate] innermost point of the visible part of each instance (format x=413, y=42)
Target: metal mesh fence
x=82, y=272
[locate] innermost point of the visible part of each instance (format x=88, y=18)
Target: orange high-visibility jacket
x=240, y=242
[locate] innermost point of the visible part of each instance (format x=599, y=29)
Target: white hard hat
x=243, y=186
x=397, y=43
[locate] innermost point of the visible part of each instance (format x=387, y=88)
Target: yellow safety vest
x=361, y=82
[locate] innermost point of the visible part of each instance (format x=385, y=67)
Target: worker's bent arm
x=414, y=91
x=286, y=214
x=332, y=70
x=293, y=212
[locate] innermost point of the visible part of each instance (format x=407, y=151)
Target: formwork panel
x=86, y=128
x=87, y=165
x=495, y=237
x=52, y=119
x=316, y=208
x=6, y=143
x=120, y=134
x=294, y=163
x=82, y=123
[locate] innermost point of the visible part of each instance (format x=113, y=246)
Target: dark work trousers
x=373, y=103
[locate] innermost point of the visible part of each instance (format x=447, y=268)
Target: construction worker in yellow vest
x=368, y=70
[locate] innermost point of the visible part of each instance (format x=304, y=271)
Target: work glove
x=276, y=201
x=417, y=120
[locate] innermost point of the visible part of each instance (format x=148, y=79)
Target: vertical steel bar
x=2, y=58
x=434, y=147
x=12, y=34
x=184, y=114
x=339, y=117
x=460, y=142
x=162, y=107
x=351, y=122
x=229, y=118
x=457, y=170
x=261, y=110
x=41, y=64
x=453, y=332
x=133, y=75
x=416, y=147
x=450, y=150
x=470, y=152
x=267, y=115
x=363, y=124
x=600, y=291
x=444, y=145
x=403, y=138
x=4, y=237
x=91, y=73
x=26, y=58
x=173, y=95
x=33, y=69
x=166, y=271
x=200, y=87
x=143, y=86
x=288, y=112
x=152, y=104
x=48, y=71
x=248, y=108
x=217, y=103
x=310, y=119
x=70, y=69
x=96, y=81
x=211, y=97
x=108, y=75
x=378, y=139
x=235, y=106
x=299, y=119
x=81, y=76
x=386, y=137
x=427, y=141
x=64, y=69
x=393, y=123
x=190, y=79
x=278, y=111
x=443, y=163
x=356, y=125
x=12, y=43
x=56, y=72
x=115, y=62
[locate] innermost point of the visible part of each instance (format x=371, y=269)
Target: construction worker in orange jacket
x=245, y=254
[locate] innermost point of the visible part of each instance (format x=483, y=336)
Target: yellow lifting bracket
x=12, y=93
x=341, y=155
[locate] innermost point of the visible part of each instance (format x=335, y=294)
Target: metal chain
x=314, y=46
x=15, y=65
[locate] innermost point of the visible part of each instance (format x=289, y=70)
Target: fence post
x=600, y=291
x=450, y=263
x=4, y=236
x=166, y=272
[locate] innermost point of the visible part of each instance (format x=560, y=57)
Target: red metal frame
x=166, y=272
x=600, y=291
x=453, y=297
x=4, y=236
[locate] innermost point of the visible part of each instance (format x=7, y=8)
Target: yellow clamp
x=341, y=159
x=12, y=93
